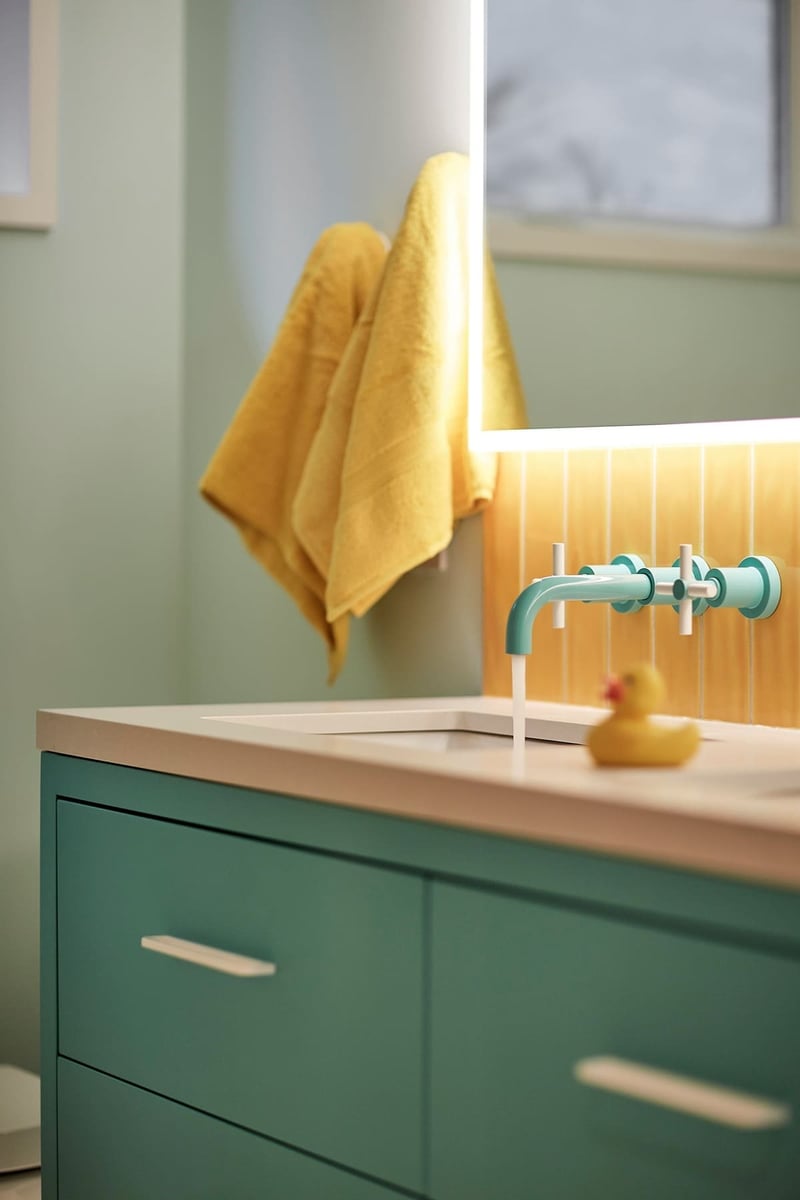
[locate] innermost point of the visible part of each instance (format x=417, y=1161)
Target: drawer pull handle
x=208, y=956
x=705, y=1100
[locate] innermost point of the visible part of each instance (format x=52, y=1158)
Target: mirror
x=635, y=161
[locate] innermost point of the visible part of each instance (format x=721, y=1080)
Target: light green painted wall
x=119, y=585
x=610, y=346
x=299, y=115
x=90, y=327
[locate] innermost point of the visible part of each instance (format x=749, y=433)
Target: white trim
x=702, y=433
x=771, y=252
x=476, y=214
x=37, y=208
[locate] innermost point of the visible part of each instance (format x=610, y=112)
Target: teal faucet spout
x=532, y=599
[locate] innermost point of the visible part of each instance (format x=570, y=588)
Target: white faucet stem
x=685, y=606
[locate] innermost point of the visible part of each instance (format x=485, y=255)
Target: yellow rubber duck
x=628, y=738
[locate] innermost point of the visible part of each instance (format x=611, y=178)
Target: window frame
x=37, y=208
x=774, y=251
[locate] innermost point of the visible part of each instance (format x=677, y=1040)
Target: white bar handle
x=702, y=589
x=699, y=589
x=685, y=606
x=559, y=568
x=722, y=1105
x=207, y=956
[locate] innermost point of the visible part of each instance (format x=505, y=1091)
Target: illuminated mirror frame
x=779, y=429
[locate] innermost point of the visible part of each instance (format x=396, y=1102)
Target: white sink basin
x=433, y=739
x=440, y=729
x=418, y=728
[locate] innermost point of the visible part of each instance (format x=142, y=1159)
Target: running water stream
x=518, y=701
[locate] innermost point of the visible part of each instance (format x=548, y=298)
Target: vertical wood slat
x=501, y=572
x=587, y=542
x=544, y=524
x=678, y=508
x=631, y=533
x=776, y=641
x=726, y=646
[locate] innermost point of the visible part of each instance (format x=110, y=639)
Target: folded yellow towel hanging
x=254, y=474
x=390, y=472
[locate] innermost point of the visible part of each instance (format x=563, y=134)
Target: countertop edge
x=719, y=845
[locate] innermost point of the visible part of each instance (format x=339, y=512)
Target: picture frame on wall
x=28, y=113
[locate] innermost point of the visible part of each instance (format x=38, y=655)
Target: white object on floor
x=19, y=1120
x=27, y=1185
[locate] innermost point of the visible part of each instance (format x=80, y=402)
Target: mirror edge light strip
x=709, y=1102
x=703, y=433
x=476, y=223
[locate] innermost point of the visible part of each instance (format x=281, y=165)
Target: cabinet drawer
x=326, y=1054
x=523, y=993
x=116, y=1142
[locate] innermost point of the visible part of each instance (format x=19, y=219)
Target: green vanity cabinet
x=523, y=993
x=415, y=1009
x=325, y=1054
x=140, y=1145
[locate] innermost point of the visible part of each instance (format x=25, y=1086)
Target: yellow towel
x=254, y=475
x=389, y=472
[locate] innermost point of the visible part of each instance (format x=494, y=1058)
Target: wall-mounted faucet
x=689, y=585
x=617, y=583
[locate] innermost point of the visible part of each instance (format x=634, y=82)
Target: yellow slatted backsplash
x=728, y=501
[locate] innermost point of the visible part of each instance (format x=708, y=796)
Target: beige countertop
x=733, y=810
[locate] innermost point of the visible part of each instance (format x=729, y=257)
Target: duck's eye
x=628, y=679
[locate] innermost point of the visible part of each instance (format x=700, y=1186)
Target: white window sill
x=771, y=252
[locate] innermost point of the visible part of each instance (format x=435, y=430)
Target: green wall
x=300, y=115
x=222, y=135
x=90, y=326
x=613, y=346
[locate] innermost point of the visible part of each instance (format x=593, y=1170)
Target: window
x=14, y=90
x=28, y=112
x=640, y=120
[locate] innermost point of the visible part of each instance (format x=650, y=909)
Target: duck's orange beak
x=614, y=689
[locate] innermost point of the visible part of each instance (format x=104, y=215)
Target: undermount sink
x=444, y=729
x=432, y=739
x=416, y=728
